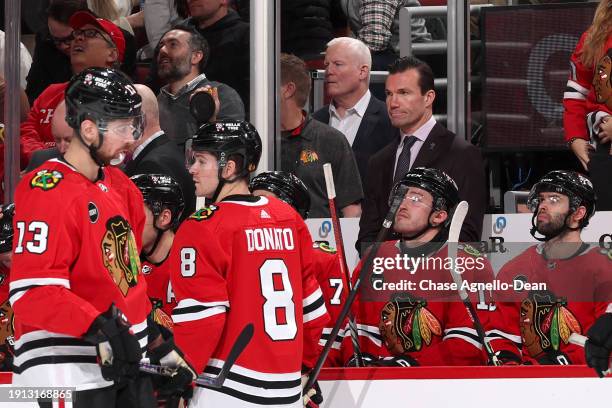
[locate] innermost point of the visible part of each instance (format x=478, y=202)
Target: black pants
x=600, y=170
x=136, y=394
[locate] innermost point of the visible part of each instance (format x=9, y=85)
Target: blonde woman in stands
x=588, y=103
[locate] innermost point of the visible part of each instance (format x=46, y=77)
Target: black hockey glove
x=181, y=382
x=311, y=398
x=397, y=361
x=368, y=360
x=506, y=357
x=118, y=350
x=554, y=358
x=599, y=345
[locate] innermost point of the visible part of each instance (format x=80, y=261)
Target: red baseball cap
x=81, y=18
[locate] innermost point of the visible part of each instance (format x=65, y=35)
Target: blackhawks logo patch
x=204, y=213
x=46, y=179
x=308, y=156
x=407, y=325
x=120, y=254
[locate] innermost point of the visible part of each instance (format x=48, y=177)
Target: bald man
x=155, y=153
x=62, y=134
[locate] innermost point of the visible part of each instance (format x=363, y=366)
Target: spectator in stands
x=228, y=38
x=181, y=57
x=420, y=142
x=24, y=65
x=353, y=109
x=376, y=23
x=62, y=134
x=116, y=11
x=154, y=152
x=307, y=144
x=96, y=43
x=159, y=17
x=51, y=62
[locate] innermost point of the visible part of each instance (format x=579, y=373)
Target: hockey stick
x=204, y=379
x=240, y=344
x=453, y=240
x=580, y=340
x=369, y=259
x=331, y=196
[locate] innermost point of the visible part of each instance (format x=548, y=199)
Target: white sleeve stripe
x=371, y=337
x=609, y=308
x=192, y=302
x=499, y=333
x=467, y=339
x=21, y=283
x=313, y=297
x=573, y=95
x=318, y=312
x=579, y=88
x=189, y=317
x=335, y=345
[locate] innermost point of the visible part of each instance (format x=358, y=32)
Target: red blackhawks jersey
x=36, y=130
x=159, y=290
x=422, y=316
x=334, y=288
x=75, y=251
x=570, y=295
x=247, y=260
x=582, y=113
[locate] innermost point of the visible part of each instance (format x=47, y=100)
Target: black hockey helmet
x=161, y=191
x=101, y=95
x=225, y=139
x=578, y=189
x=6, y=228
x=285, y=186
x=439, y=184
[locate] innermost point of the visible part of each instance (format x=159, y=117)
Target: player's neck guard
x=544, y=238
x=425, y=248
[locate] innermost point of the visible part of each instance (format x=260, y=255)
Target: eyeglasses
x=59, y=41
x=416, y=200
x=92, y=33
x=552, y=200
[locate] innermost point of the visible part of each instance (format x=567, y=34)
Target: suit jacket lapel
x=133, y=164
x=435, y=145
x=368, y=123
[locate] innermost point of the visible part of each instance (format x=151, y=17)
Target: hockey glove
x=506, y=357
x=181, y=382
x=368, y=360
x=554, y=357
x=599, y=345
x=118, y=350
x=311, y=398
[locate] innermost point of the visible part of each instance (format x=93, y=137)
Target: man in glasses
x=95, y=43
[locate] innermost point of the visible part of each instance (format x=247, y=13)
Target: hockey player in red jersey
x=243, y=259
x=293, y=191
x=412, y=321
x=534, y=324
x=163, y=208
x=79, y=299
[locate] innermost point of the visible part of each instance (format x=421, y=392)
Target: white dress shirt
x=349, y=124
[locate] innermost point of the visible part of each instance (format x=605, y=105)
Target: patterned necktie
x=403, y=162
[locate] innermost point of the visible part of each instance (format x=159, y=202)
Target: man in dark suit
x=354, y=111
x=420, y=142
x=157, y=154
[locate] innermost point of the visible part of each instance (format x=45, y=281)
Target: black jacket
x=162, y=156
x=229, y=57
x=442, y=150
x=374, y=133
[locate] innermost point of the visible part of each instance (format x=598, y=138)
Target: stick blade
x=329, y=181
x=457, y=222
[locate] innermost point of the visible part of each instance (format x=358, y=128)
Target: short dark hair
x=62, y=10
x=426, y=76
x=197, y=42
x=293, y=69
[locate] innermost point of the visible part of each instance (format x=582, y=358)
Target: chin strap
x=553, y=234
x=93, y=150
